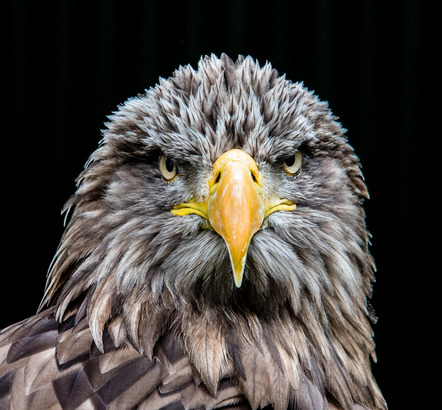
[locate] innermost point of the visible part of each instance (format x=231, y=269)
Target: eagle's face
x=224, y=187
x=223, y=210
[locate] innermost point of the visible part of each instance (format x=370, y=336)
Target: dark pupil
x=290, y=161
x=169, y=165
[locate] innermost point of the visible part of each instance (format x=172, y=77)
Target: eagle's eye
x=168, y=168
x=292, y=164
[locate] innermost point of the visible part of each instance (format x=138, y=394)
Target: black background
x=68, y=65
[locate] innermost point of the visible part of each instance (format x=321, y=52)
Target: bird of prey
x=215, y=256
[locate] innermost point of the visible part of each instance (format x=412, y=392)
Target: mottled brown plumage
x=144, y=310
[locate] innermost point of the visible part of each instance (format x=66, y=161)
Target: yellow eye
x=292, y=165
x=168, y=168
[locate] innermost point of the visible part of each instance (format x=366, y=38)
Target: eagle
x=215, y=255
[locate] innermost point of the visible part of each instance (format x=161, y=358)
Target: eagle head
x=225, y=205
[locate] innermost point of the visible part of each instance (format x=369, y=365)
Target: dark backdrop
x=68, y=66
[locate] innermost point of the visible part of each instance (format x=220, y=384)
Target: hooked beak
x=235, y=206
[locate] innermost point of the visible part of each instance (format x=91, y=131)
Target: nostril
x=253, y=177
x=218, y=177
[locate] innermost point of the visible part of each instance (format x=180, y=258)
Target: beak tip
x=238, y=282
x=238, y=277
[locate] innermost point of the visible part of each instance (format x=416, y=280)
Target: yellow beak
x=235, y=206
